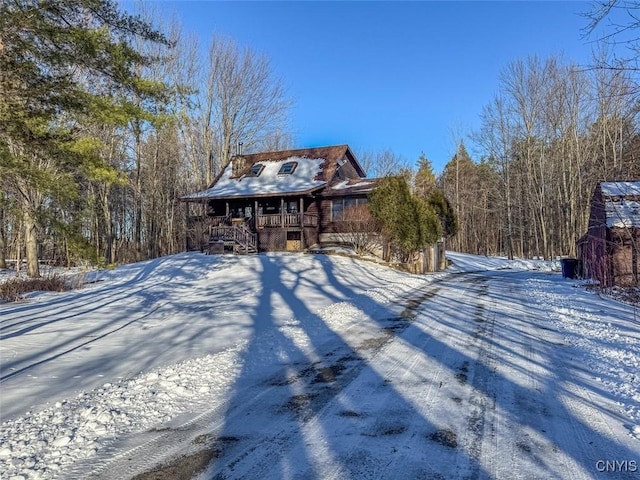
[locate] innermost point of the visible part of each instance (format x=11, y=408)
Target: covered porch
x=259, y=213
x=279, y=223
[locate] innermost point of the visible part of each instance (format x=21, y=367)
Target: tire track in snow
x=477, y=440
x=314, y=399
x=529, y=444
x=118, y=461
x=548, y=423
x=393, y=369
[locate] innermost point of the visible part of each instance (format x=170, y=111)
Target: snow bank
x=42, y=442
x=599, y=330
x=463, y=262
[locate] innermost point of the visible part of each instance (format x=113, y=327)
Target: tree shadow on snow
x=304, y=412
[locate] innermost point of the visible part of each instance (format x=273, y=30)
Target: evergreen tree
x=443, y=209
x=425, y=180
x=407, y=221
x=459, y=183
x=62, y=63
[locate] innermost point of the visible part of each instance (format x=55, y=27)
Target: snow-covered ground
x=75, y=275
x=318, y=366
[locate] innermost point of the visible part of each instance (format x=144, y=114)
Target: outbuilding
x=609, y=250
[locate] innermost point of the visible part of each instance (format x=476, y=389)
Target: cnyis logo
x=617, y=465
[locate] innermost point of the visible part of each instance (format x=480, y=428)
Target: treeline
x=552, y=132
x=107, y=118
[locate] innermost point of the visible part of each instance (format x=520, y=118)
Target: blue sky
x=411, y=77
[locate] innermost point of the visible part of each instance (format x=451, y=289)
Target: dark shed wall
x=624, y=256
x=609, y=255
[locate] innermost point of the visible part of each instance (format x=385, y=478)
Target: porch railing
x=309, y=220
x=278, y=220
x=223, y=220
x=287, y=220
x=239, y=235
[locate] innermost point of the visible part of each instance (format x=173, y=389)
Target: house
x=275, y=201
x=609, y=250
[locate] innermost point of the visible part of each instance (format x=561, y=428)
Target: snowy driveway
x=317, y=367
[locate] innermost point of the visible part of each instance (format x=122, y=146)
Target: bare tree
x=382, y=163
x=495, y=138
x=243, y=103
x=360, y=230
x=614, y=24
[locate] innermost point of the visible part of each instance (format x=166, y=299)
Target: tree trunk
x=31, y=244
x=3, y=243
x=137, y=193
x=3, y=250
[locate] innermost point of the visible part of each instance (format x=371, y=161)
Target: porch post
x=301, y=216
x=282, y=211
x=301, y=211
x=226, y=206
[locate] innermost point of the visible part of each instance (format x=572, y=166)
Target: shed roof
x=621, y=204
x=620, y=189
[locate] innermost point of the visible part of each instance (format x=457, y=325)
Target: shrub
x=12, y=290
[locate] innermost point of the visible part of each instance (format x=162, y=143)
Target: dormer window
x=256, y=170
x=287, y=168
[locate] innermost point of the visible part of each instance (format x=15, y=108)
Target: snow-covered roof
x=316, y=167
x=621, y=203
x=620, y=189
x=352, y=187
x=622, y=213
x=347, y=184
x=304, y=178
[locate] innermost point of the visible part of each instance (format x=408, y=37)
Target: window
x=291, y=206
x=336, y=210
x=256, y=170
x=340, y=207
x=287, y=168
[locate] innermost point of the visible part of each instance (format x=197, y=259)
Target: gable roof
x=304, y=179
x=332, y=155
x=621, y=204
x=314, y=170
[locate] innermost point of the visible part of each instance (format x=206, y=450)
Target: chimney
x=237, y=165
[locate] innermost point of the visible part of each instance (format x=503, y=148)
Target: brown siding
x=311, y=206
x=324, y=216
x=624, y=256
x=609, y=255
x=594, y=253
x=346, y=172
x=326, y=225
x=310, y=237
